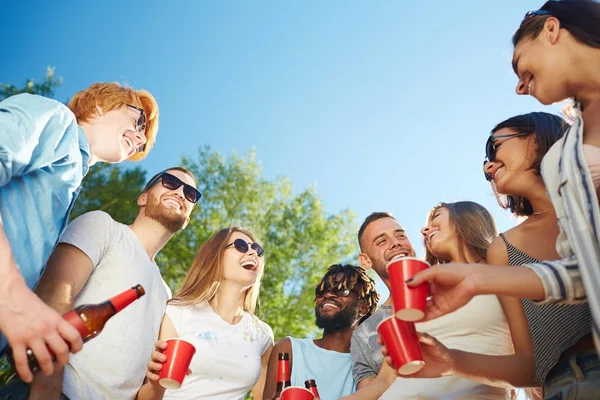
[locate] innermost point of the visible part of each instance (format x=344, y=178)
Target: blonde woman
x=214, y=310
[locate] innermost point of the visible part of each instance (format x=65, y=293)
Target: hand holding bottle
x=28, y=323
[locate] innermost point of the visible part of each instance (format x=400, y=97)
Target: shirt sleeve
x=266, y=334
x=92, y=233
x=175, y=314
x=561, y=280
x=30, y=128
x=360, y=366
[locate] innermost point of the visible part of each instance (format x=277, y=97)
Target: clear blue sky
x=384, y=105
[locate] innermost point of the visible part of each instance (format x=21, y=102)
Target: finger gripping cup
x=179, y=354
x=409, y=302
x=296, y=393
x=400, y=338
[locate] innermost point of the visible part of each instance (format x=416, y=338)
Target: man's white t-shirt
x=113, y=364
x=227, y=362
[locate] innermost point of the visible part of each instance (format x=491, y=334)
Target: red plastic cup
x=296, y=393
x=400, y=338
x=409, y=302
x=179, y=354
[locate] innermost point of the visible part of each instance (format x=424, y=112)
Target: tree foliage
x=45, y=88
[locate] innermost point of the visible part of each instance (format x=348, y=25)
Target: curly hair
x=354, y=277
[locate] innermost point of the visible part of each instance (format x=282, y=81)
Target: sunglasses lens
x=258, y=248
x=490, y=151
x=171, y=182
x=191, y=194
x=241, y=245
x=141, y=124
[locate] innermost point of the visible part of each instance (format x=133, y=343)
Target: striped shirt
x=571, y=190
x=553, y=327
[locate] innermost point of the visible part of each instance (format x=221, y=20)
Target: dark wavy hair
x=548, y=128
x=580, y=17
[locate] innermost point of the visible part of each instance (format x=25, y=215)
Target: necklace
x=543, y=212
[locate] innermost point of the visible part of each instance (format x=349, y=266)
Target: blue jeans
x=576, y=378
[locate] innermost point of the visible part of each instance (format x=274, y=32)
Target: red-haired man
x=46, y=148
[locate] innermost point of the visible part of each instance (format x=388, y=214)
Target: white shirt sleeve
x=92, y=233
x=175, y=314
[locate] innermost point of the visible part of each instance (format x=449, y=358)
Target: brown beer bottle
x=89, y=319
x=283, y=374
x=312, y=386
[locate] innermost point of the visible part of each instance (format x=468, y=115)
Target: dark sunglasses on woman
x=490, y=148
x=242, y=246
x=172, y=182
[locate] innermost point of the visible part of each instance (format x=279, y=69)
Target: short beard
x=340, y=321
x=172, y=221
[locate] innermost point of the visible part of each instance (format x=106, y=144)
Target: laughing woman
x=214, y=311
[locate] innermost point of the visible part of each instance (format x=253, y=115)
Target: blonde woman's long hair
x=203, y=280
x=474, y=226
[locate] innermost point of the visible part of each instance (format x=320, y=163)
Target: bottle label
x=283, y=371
x=74, y=319
x=124, y=299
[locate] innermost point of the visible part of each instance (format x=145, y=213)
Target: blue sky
x=384, y=105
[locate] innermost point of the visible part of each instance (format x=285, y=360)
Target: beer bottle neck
x=124, y=299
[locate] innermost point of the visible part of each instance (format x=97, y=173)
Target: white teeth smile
x=174, y=202
x=529, y=87
x=328, y=305
x=431, y=235
x=399, y=255
x=497, y=172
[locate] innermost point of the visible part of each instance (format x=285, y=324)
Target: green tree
x=300, y=238
x=45, y=88
x=112, y=189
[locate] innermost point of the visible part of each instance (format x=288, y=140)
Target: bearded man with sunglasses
x=344, y=298
x=46, y=148
x=97, y=258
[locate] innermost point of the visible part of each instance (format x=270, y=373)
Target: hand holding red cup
x=400, y=338
x=179, y=355
x=409, y=302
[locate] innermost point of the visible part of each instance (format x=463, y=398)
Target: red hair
x=110, y=96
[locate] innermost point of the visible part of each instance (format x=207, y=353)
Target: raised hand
x=451, y=285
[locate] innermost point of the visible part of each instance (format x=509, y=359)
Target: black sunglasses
x=242, y=246
x=335, y=291
x=490, y=148
x=171, y=182
x=531, y=14
x=140, y=125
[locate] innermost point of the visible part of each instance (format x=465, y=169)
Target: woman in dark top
x=558, y=332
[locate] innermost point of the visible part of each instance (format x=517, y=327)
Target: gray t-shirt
x=366, y=352
x=113, y=364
